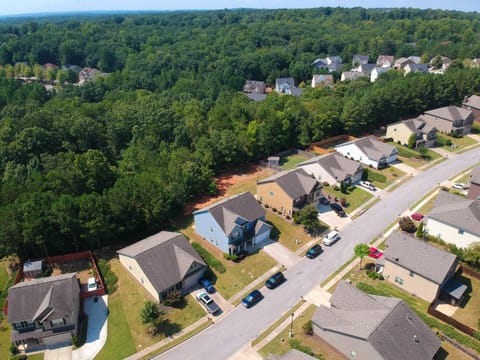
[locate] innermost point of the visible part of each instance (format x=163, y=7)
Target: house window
x=236, y=235
x=461, y=231
x=23, y=324
x=412, y=273
x=57, y=322
x=398, y=280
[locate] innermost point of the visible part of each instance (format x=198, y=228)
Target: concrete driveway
x=329, y=217
x=97, y=328
x=64, y=353
x=280, y=253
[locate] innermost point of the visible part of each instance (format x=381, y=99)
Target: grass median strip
x=276, y=324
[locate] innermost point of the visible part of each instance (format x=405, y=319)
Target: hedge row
x=209, y=258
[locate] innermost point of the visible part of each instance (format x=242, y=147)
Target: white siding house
x=369, y=151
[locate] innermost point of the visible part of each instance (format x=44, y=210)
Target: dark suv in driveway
x=275, y=280
x=338, y=209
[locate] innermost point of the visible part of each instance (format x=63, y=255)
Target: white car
x=367, y=184
x=458, y=186
x=331, y=237
x=92, y=284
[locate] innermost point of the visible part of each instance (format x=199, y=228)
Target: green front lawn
x=460, y=143
x=280, y=344
x=469, y=310
x=291, y=161
x=354, y=197
x=385, y=177
x=413, y=157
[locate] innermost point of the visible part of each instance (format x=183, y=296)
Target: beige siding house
x=420, y=268
x=472, y=103
x=450, y=119
x=401, y=131
x=454, y=219
x=162, y=263
x=289, y=191
x=363, y=326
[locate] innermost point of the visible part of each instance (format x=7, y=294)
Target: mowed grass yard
x=280, y=344
x=461, y=143
x=291, y=161
x=469, y=310
x=413, y=157
x=128, y=334
x=5, y=283
x=237, y=275
x=385, y=177
x=355, y=196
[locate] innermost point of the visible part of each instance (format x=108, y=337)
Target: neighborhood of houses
x=45, y=311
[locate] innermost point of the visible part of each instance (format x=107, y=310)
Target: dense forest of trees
x=117, y=159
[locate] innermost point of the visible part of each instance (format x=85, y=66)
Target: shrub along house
x=421, y=269
x=372, y=327
x=162, y=263
x=43, y=313
x=233, y=224
x=289, y=191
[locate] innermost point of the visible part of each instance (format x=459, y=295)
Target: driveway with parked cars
x=329, y=217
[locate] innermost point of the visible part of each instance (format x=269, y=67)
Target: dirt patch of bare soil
x=82, y=267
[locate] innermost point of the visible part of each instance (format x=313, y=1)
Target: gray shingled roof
x=418, y=67
x=457, y=211
x=43, y=299
x=418, y=125
x=335, y=164
x=388, y=324
x=360, y=59
x=295, y=183
x=418, y=256
x=366, y=68
x=473, y=101
x=475, y=175
x=373, y=148
x=450, y=113
x=235, y=209
x=165, y=258
x=292, y=354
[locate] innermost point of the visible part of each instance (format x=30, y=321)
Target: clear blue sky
x=8, y=7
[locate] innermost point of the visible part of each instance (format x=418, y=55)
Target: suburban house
x=415, y=68
x=454, y=219
x=289, y=191
x=331, y=63
x=162, y=263
x=333, y=168
x=404, y=61
x=373, y=327
x=472, y=103
x=376, y=72
x=474, y=187
x=369, y=151
x=421, y=269
x=252, y=86
x=385, y=61
x=401, y=131
x=359, y=60
x=292, y=354
x=43, y=313
x=233, y=224
x=445, y=62
x=89, y=74
x=351, y=75
x=322, y=80
x=450, y=119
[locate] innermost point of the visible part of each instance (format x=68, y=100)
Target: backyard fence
x=451, y=321
x=469, y=272
x=460, y=347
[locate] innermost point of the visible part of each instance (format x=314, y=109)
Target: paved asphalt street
x=229, y=334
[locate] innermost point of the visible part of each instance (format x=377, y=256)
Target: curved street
x=240, y=326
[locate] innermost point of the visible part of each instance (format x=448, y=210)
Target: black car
x=324, y=201
x=338, y=209
x=314, y=251
x=275, y=280
x=252, y=298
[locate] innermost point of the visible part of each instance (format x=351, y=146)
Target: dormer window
x=57, y=322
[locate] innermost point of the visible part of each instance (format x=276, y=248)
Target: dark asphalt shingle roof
x=388, y=324
x=418, y=256
x=450, y=113
x=234, y=210
x=475, y=175
x=473, y=101
x=457, y=211
x=165, y=258
x=43, y=298
x=295, y=183
x=292, y=354
x=373, y=148
x=336, y=165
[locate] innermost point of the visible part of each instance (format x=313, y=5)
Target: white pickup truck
x=208, y=302
x=367, y=185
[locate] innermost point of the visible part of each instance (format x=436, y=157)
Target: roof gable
x=418, y=256
x=472, y=101
x=295, y=183
x=335, y=164
x=450, y=113
x=373, y=148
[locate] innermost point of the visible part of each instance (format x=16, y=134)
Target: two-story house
x=400, y=132
x=385, y=61
x=233, y=224
x=454, y=219
x=474, y=187
x=472, y=103
x=369, y=151
x=333, y=168
x=363, y=326
x=420, y=268
x=162, y=263
x=322, y=80
x=289, y=191
x=450, y=119
x=43, y=313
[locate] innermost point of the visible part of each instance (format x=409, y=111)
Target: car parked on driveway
x=338, y=209
x=375, y=253
x=314, y=251
x=458, y=186
x=207, y=285
x=367, y=185
x=331, y=237
x=251, y=299
x=324, y=201
x=208, y=302
x=275, y=280
x=417, y=216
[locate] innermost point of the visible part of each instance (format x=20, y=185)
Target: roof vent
x=415, y=338
x=396, y=259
